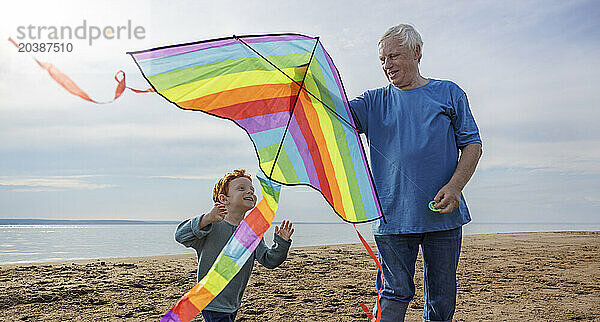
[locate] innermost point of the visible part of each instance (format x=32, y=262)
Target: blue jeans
x=398, y=254
x=214, y=316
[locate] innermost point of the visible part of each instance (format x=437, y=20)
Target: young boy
x=208, y=233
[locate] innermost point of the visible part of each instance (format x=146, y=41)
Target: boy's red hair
x=222, y=186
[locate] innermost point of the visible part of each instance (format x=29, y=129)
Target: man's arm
x=448, y=198
x=359, y=108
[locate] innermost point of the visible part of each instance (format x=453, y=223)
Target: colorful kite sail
x=285, y=91
x=231, y=259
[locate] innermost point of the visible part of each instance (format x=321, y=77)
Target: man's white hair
x=406, y=34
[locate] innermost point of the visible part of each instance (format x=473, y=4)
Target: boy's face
x=241, y=194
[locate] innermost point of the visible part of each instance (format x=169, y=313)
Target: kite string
x=397, y=168
x=331, y=111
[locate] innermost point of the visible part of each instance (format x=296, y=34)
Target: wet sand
x=502, y=277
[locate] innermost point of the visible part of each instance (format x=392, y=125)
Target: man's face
x=400, y=64
x=241, y=194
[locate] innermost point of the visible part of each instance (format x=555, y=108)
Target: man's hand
x=285, y=231
x=217, y=213
x=447, y=199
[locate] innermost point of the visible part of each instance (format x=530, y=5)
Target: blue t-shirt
x=414, y=136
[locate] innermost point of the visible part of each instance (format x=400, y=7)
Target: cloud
x=51, y=183
x=189, y=177
x=567, y=157
x=61, y=133
x=592, y=199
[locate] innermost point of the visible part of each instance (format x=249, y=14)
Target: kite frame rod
x=299, y=84
x=293, y=105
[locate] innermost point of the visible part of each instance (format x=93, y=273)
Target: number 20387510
x=45, y=47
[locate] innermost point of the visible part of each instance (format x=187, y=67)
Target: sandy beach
x=502, y=277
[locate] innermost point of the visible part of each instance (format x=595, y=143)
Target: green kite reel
x=432, y=208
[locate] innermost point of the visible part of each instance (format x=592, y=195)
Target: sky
x=527, y=68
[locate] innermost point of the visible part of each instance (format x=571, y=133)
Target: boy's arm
x=272, y=257
x=189, y=232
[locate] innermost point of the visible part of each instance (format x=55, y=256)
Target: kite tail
x=362, y=305
x=67, y=83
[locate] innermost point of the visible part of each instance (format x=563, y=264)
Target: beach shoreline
x=505, y=276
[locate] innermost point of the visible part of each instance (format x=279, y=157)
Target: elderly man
x=416, y=127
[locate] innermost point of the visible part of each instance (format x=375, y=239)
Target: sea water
x=43, y=243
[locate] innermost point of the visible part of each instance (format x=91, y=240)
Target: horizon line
x=34, y=221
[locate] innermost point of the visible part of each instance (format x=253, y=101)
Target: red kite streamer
x=67, y=83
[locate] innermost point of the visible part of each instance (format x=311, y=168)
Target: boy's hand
x=217, y=213
x=285, y=231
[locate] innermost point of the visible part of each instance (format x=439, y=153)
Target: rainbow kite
x=231, y=259
x=286, y=93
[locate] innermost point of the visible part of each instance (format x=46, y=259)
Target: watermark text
x=83, y=31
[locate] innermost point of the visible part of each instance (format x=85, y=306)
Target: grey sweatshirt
x=208, y=243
